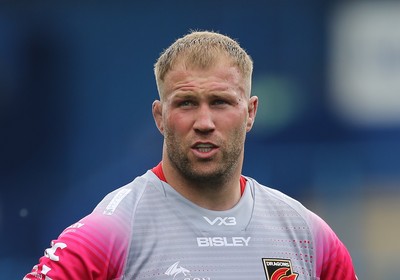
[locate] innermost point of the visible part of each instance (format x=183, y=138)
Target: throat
x=214, y=192
x=210, y=195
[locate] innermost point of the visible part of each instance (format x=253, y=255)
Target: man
x=194, y=216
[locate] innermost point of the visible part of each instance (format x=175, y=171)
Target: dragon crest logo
x=279, y=269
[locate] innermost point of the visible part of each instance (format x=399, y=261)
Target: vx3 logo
x=221, y=221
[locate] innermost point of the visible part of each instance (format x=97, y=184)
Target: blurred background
x=76, y=87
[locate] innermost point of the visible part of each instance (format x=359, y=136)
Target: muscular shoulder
x=288, y=206
x=96, y=246
x=331, y=256
x=275, y=200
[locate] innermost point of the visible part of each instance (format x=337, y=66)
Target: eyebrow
x=212, y=94
x=189, y=89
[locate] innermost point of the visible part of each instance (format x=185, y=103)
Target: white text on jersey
x=223, y=241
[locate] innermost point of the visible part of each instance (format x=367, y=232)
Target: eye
x=219, y=102
x=186, y=103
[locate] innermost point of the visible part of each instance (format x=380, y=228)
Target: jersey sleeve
x=333, y=260
x=93, y=248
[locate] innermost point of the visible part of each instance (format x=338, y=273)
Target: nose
x=204, y=121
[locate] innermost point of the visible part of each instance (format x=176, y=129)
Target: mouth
x=204, y=148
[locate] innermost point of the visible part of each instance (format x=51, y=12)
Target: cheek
x=177, y=123
x=233, y=121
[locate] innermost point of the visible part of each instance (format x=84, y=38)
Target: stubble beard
x=228, y=162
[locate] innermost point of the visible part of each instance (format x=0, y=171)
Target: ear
x=252, y=110
x=157, y=115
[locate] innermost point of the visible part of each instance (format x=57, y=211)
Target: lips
x=204, y=148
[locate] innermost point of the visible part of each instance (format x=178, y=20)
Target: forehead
x=221, y=74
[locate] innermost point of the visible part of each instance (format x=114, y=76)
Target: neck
x=214, y=194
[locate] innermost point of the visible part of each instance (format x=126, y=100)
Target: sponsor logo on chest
x=223, y=241
x=221, y=221
x=177, y=272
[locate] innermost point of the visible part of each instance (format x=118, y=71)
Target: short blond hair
x=202, y=49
